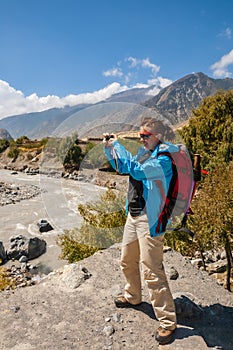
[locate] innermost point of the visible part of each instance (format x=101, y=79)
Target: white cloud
x=14, y=102
x=133, y=61
x=135, y=72
x=160, y=81
x=145, y=63
x=113, y=72
x=220, y=68
x=154, y=68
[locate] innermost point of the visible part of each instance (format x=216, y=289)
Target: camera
x=108, y=137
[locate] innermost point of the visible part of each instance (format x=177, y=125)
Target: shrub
x=102, y=227
x=72, y=250
x=4, y=144
x=13, y=152
x=5, y=281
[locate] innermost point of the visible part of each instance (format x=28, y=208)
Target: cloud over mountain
x=14, y=102
x=221, y=68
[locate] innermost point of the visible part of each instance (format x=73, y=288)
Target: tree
x=22, y=140
x=68, y=151
x=213, y=210
x=210, y=130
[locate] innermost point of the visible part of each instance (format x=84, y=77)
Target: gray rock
x=21, y=246
x=74, y=275
x=23, y=259
x=173, y=273
x=197, y=262
x=44, y=226
x=116, y=317
x=108, y=330
x=36, y=247
x=2, y=252
x=217, y=267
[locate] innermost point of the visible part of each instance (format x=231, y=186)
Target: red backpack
x=180, y=190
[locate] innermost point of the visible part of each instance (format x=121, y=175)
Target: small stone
x=116, y=317
x=173, y=273
x=23, y=259
x=108, y=330
x=14, y=308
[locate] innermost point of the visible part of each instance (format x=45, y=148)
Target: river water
x=57, y=203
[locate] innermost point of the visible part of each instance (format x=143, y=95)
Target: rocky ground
x=73, y=308
x=11, y=193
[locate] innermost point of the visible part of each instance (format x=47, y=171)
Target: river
x=57, y=203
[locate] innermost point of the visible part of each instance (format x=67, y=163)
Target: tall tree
x=210, y=129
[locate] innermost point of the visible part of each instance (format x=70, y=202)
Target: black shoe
x=164, y=336
x=122, y=302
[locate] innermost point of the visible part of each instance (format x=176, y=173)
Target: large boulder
x=2, y=252
x=29, y=247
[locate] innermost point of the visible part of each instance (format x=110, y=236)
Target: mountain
x=135, y=95
x=37, y=125
x=175, y=102
x=5, y=135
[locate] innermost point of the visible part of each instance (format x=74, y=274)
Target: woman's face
x=148, y=139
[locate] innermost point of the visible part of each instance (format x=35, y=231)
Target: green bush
x=13, y=151
x=102, y=227
x=104, y=220
x=72, y=250
x=4, y=144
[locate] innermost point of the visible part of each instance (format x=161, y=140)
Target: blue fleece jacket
x=154, y=168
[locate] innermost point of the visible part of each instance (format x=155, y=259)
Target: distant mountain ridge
x=175, y=102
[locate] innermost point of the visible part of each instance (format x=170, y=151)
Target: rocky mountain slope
x=174, y=102
x=177, y=101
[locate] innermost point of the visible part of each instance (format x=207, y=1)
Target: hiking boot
x=164, y=336
x=122, y=302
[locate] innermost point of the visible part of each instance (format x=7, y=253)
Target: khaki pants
x=138, y=246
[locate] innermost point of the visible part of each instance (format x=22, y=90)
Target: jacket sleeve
x=125, y=163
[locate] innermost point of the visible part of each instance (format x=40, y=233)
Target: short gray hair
x=156, y=126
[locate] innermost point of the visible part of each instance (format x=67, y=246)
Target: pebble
x=108, y=330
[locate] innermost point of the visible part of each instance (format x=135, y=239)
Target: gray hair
x=157, y=127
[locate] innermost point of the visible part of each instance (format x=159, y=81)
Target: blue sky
x=56, y=52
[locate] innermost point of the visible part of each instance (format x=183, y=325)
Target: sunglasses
x=145, y=136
